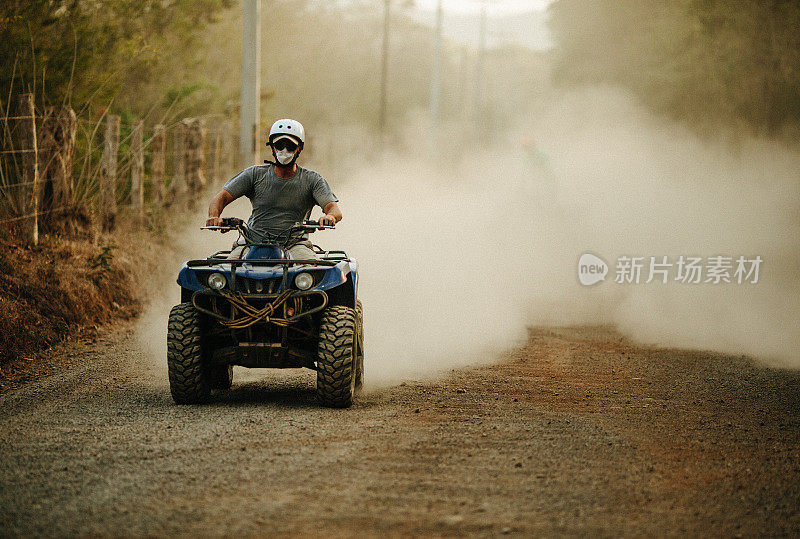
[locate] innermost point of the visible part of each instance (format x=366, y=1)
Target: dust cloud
x=461, y=250
x=639, y=186
x=464, y=244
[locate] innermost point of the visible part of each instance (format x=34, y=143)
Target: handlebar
x=226, y=224
x=234, y=223
x=312, y=225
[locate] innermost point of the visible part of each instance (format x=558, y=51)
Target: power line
x=436, y=73
x=251, y=81
x=479, y=68
x=384, y=65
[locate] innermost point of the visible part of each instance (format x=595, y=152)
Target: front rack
x=262, y=262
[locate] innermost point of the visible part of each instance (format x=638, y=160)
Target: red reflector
x=290, y=311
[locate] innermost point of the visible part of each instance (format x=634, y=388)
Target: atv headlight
x=217, y=281
x=304, y=281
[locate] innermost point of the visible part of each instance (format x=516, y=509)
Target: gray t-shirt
x=279, y=203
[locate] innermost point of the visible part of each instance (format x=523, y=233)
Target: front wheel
x=188, y=377
x=336, y=357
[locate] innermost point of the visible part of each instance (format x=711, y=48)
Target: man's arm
x=218, y=204
x=332, y=214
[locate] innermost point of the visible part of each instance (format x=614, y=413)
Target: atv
x=264, y=309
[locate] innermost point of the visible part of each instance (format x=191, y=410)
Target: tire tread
x=188, y=379
x=335, y=357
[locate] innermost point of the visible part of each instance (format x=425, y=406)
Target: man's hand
x=218, y=204
x=332, y=214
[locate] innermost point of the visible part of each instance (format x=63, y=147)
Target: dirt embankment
x=54, y=289
x=67, y=287
x=580, y=432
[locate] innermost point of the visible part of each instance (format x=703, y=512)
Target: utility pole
x=463, y=83
x=384, y=65
x=251, y=82
x=436, y=74
x=479, y=69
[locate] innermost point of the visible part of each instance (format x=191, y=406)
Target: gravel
x=580, y=432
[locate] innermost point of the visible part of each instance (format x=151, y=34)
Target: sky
x=495, y=8
x=519, y=22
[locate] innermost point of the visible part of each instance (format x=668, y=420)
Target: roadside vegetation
x=711, y=65
x=55, y=288
x=95, y=57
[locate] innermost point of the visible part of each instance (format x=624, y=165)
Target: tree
x=705, y=62
x=90, y=51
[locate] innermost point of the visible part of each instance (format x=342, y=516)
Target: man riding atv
x=282, y=193
x=275, y=300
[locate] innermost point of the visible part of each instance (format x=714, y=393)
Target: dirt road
x=579, y=432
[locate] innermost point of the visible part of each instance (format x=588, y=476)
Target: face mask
x=284, y=157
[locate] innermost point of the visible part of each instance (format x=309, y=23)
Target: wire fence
x=55, y=166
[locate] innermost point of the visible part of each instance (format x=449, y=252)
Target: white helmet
x=288, y=127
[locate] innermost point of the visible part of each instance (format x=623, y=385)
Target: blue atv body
x=264, y=309
x=262, y=270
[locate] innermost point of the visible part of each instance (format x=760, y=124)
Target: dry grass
x=72, y=283
x=57, y=289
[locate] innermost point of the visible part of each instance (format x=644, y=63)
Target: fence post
x=108, y=174
x=66, y=135
x=158, y=163
x=216, y=148
x=235, y=158
x=195, y=158
x=29, y=225
x=229, y=145
x=56, y=145
x=178, y=186
x=137, y=168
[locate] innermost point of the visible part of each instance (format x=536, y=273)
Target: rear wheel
x=336, y=357
x=188, y=377
x=359, y=346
